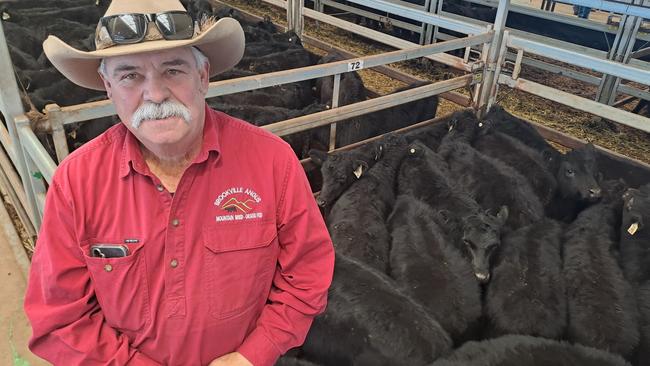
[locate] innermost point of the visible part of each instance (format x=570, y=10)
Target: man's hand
x=231, y=359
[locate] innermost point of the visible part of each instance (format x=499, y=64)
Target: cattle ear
x=502, y=215
x=547, y=155
x=359, y=167
x=317, y=156
x=452, y=124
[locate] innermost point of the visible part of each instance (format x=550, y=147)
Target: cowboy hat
x=221, y=41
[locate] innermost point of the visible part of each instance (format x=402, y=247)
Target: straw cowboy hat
x=222, y=42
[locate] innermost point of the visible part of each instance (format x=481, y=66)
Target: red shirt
x=237, y=259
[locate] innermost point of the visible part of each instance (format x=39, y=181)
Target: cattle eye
x=570, y=172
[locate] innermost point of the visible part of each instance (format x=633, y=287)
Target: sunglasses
x=132, y=28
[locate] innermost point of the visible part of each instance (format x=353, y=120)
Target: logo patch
x=239, y=204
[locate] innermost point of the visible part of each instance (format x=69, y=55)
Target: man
x=180, y=236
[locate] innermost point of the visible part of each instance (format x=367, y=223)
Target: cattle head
x=577, y=175
x=636, y=208
x=481, y=238
x=339, y=170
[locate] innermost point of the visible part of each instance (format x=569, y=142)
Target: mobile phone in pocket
x=109, y=250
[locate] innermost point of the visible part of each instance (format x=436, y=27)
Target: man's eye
x=131, y=76
x=173, y=71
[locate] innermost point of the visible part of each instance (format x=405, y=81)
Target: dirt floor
x=14, y=327
x=619, y=138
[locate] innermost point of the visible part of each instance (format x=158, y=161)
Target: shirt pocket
x=239, y=263
x=121, y=287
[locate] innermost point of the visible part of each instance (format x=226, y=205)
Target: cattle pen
x=492, y=57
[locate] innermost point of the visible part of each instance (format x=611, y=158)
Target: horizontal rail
x=616, y=7
x=374, y=35
x=421, y=16
x=571, y=56
x=580, y=103
x=104, y=108
x=36, y=151
x=371, y=15
x=317, y=71
x=307, y=122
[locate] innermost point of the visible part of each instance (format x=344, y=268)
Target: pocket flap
x=226, y=238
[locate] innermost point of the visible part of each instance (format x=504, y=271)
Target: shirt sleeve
x=304, y=274
x=67, y=323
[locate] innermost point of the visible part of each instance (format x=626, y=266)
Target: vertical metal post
x=32, y=182
x=620, y=52
x=12, y=108
x=490, y=68
x=294, y=16
x=425, y=26
x=58, y=132
x=335, y=104
x=432, y=34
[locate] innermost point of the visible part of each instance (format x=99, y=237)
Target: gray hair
x=199, y=57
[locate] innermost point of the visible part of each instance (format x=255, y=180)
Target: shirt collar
x=132, y=158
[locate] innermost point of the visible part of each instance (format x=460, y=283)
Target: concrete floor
x=14, y=327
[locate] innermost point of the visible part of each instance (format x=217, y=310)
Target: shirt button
x=108, y=268
x=174, y=263
x=159, y=187
x=175, y=222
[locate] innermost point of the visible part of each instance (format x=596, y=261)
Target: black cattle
x=264, y=115
x=642, y=356
x=373, y=124
x=290, y=96
x=490, y=182
x=430, y=269
x=260, y=115
x=36, y=79
x=357, y=219
x=198, y=9
x=525, y=160
x=577, y=178
x=498, y=119
x=342, y=168
x=290, y=59
x=22, y=60
x=258, y=49
x=635, y=235
x=63, y=93
x=602, y=308
x=369, y=322
x=526, y=294
x=424, y=175
x=518, y=350
x=23, y=38
x=351, y=88
x=635, y=259
x=85, y=14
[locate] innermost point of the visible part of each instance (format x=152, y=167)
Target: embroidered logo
x=239, y=203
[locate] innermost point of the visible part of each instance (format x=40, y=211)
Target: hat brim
x=222, y=43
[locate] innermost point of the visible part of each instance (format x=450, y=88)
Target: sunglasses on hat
x=132, y=28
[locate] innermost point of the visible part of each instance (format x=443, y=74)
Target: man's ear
x=107, y=85
x=204, y=74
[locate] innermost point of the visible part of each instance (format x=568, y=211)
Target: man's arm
x=68, y=324
x=300, y=284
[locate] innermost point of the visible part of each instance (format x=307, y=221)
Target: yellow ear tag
x=358, y=171
x=633, y=228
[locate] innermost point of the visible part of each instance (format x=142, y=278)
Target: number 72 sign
x=355, y=65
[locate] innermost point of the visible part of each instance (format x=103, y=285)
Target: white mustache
x=149, y=111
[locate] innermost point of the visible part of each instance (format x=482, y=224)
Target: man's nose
x=156, y=90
